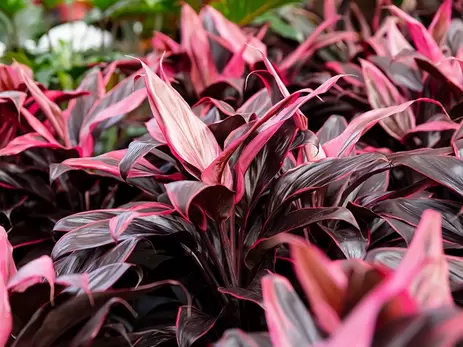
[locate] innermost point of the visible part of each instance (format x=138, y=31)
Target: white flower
x=2, y=49
x=81, y=36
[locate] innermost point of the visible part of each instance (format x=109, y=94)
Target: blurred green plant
x=245, y=12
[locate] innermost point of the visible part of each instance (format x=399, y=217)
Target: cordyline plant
x=231, y=165
x=363, y=303
x=36, y=132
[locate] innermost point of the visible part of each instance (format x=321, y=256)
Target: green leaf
x=279, y=26
x=136, y=8
x=244, y=12
x=11, y=7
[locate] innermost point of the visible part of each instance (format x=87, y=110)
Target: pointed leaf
x=195, y=42
x=192, y=324
x=289, y=322
x=90, y=330
x=344, y=143
x=188, y=137
x=382, y=93
x=441, y=22
x=33, y=273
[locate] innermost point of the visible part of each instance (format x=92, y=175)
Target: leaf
x=442, y=169
x=25, y=142
x=48, y=325
x=216, y=201
x=305, y=216
x=289, y=322
x=189, y=139
x=78, y=109
x=283, y=110
x=106, y=165
x=51, y=110
x=6, y=319
x=87, y=334
x=441, y=22
x=122, y=99
x=32, y=273
x=315, y=175
x=422, y=39
x=399, y=73
x=344, y=143
x=7, y=265
x=235, y=36
x=192, y=324
x=96, y=233
x=238, y=338
x=244, y=13
x=382, y=93
x=300, y=53
x=195, y=42
x=261, y=159
x=403, y=215
x=136, y=150
x=430, y=286
x=332, y=128
x=324, y=290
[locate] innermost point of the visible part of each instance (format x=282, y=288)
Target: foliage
x=276, y=187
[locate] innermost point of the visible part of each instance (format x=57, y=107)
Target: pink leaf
x=284, y=109
x=17, y=98
x=122, y=99
x=118, y=224
x=289, y=322
x=345, y=142
x=188, y=137
x=195, y=42
x=78, y=281
x=423, y=40
x=49, y=108
x=235, y=37
x=22, y=143
x=441, y=22
x=300, y=52
x=33, y=273
x=430, y=285
x=382, y=93
x=329, y=9
x=396, y=42
x=7, y=266
x=38, y=126
x=324, y=288
x=164, y=43
x=6, y=319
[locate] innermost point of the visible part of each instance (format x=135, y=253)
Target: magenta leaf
x=422, y=39
x=88, y=332
x=190, y=140
x=430, y=286
x=382, y=93
x=7, y=265
x=195, y=43
x=344, y=143
x=192, y=324
x=32, y=273
x=240, y=44
x=289, y=322
x=441, y=22
x=6, y=319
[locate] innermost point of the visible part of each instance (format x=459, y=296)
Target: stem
x=213, y=255
x=234, y=261
x=210, y=278
x=227, y=246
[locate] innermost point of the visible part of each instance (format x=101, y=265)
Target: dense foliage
x=269, y=200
